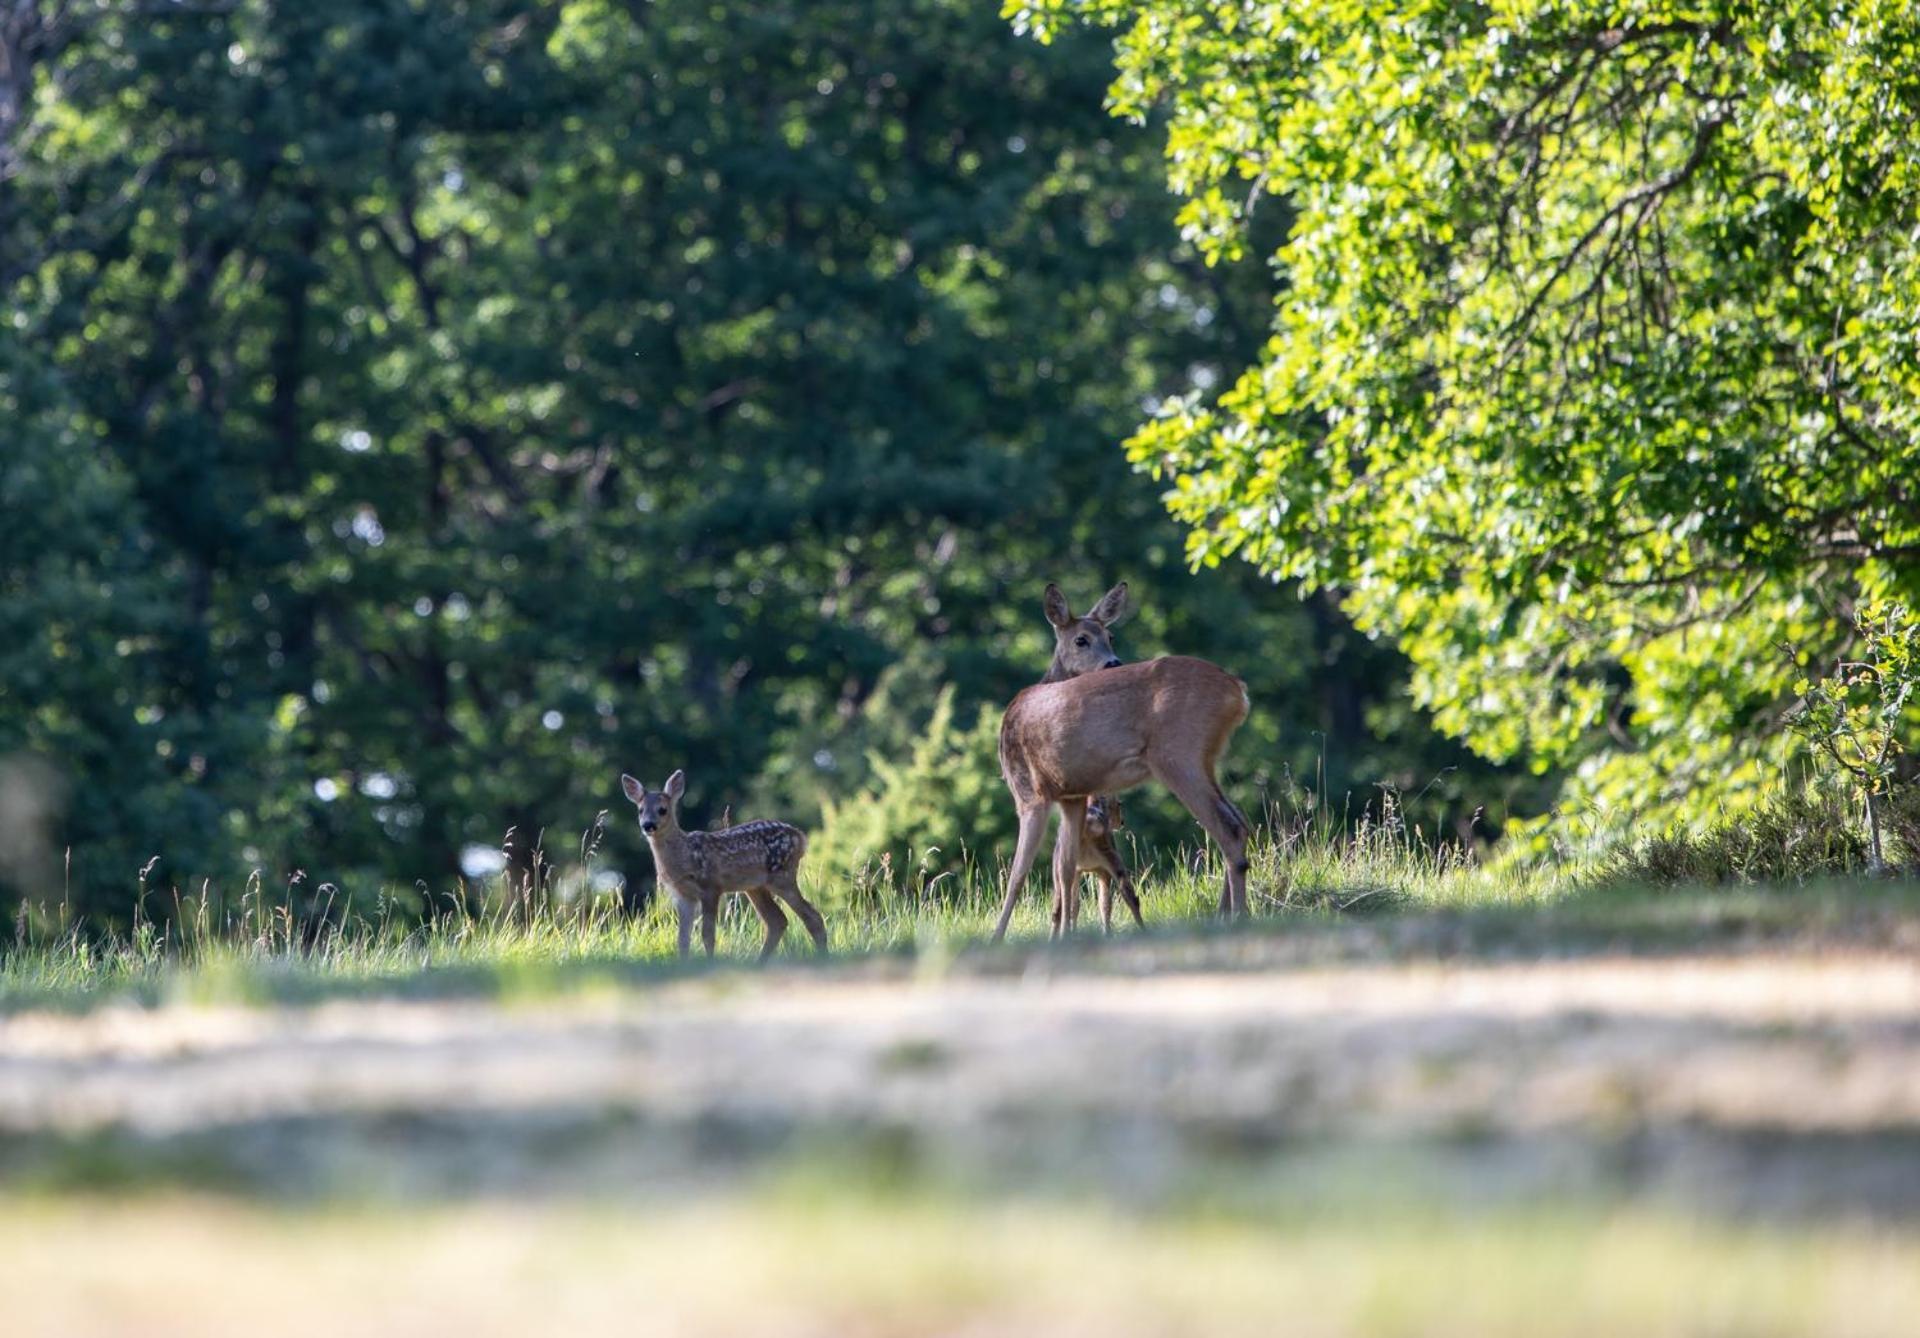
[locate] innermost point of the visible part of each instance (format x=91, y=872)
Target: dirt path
x=1786, y=1082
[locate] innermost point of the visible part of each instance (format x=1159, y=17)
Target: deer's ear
x=1056, y=606
x=634, y=789
x=1112, y=608
x=676, y=785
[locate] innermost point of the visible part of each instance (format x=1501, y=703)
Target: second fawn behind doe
x=1099, y=857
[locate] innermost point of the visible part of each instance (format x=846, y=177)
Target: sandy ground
x=1786, y=1082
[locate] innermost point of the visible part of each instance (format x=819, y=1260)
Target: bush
x=1801, y=834
x=941, y=809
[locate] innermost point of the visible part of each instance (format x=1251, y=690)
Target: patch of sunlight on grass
x=883, y=1264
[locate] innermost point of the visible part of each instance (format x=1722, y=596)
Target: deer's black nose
x=648, y=827
x=1112, y=664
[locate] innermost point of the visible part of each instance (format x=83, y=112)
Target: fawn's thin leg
x=709, y=919
x=770, y=915
x=684, y=908
x=1105, y=880
x=1125, y=880
x=786, y=886
x=1033, y=825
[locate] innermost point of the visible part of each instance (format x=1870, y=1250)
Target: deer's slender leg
x=1066, y=861
x=684, y=908
x=771, y=915
x=1128, y=895
x=1236, y=824
x=709, y=919
x=1056, y=908
x=1223, y=822
x=1033, y=825
x=786, y=886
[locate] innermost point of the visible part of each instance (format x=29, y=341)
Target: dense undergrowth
x=1798, y=834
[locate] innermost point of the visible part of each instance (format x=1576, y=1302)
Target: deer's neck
x=1056, y=672
x=672, y=850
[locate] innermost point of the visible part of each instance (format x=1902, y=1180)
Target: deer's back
x=1094, y=734
x=747, y=855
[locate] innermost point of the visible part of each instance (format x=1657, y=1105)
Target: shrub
x=1856, y=715
x=1801, y=834
x=932, y=814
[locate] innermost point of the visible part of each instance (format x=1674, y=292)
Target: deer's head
x=1083, y=644
x=1103, y=816
x=657, y=807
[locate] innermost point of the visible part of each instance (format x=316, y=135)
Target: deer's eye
x=1081, y=642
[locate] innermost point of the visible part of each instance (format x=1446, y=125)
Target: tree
x=1591, y=381
x=463, y=403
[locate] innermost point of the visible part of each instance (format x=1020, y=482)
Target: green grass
x=1310, y=888
x=1793, y=864
x=531, y=939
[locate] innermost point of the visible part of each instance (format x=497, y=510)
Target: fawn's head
x=1103, y=816
x=1083, y=644
x=657, y=807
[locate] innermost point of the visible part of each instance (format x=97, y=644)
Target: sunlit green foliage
x=1593, y=378
x=936, y=807
x=1857, y=716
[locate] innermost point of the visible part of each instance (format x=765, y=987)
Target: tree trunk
x=1876, y=860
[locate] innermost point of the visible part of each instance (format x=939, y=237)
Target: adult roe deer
x=1077, y=734
x=1081, y=646
x=760, y=859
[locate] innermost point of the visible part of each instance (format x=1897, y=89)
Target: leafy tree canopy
x=1593, y=379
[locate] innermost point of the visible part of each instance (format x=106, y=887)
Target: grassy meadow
x=1794, y=862
x=530, y=932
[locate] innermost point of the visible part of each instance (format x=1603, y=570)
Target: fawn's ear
x=1056, y=605
x=1114, y=818
x=676, y=785
x=634, y=789
x=1112, y=608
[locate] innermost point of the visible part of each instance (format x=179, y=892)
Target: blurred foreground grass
x=852, y=1263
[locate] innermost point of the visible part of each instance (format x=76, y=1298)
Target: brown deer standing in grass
x=760, y=859
x=1079, y=650
x=1078, y=734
